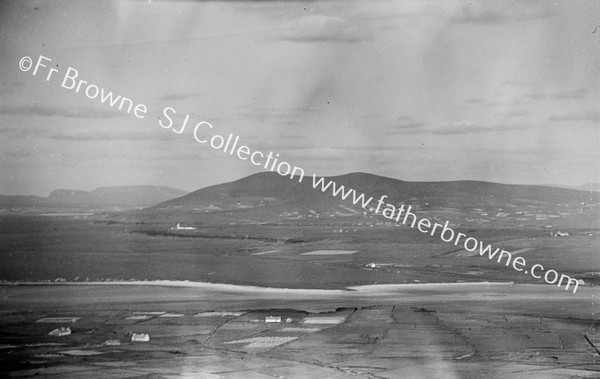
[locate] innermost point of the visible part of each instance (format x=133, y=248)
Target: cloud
x=578, y=93
x=586, y=115
x=385, y=148
x=516, y=83
x=490, y=13
x=306, y=109
x=71, y=112
x=320, y=28
x=475, y=15
x=532, y=152
x=293, y=117
x=470, y=127
x=179, y=96
x=14, y=131
x=535, y=96
x=105, y=136
x=409, y=126
x=406, y=122
x=479, y=102
x=402, y=124
x=29, y=152
x=518, y=113
x=269, y=113
x=473, y=100
x=294, y=137
x=342, y=152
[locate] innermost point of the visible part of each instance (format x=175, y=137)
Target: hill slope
x=268, y=197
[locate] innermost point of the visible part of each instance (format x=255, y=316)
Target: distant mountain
x=67, y=195
x=131, y=196
x=590, y=187
x=264, y=188
x=268, y=197
x=102, y=198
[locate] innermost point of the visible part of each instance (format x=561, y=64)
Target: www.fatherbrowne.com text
x=270, y=161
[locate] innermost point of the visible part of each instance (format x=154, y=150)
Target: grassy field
x=39, y=248
x=469, y=330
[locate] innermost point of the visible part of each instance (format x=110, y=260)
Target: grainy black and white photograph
x=300, y=189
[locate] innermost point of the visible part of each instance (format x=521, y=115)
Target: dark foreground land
x=219, y=331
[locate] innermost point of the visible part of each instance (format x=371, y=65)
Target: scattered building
x=179, y=227
x=140, y=337
x=60, y=332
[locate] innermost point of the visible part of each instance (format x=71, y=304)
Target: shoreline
x=184, y=284
x=482, y=288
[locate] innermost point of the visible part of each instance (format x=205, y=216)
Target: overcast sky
x=422, y=91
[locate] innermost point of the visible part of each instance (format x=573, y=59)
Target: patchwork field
x=416, y=331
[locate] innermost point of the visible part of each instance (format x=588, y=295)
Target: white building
x=179, y=227
x=60, y=332
x=140, y=337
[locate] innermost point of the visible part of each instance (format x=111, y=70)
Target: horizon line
x=554, y=185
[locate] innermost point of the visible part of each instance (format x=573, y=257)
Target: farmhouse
x=140, y=337
x=179, y=227
x=60, y=332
